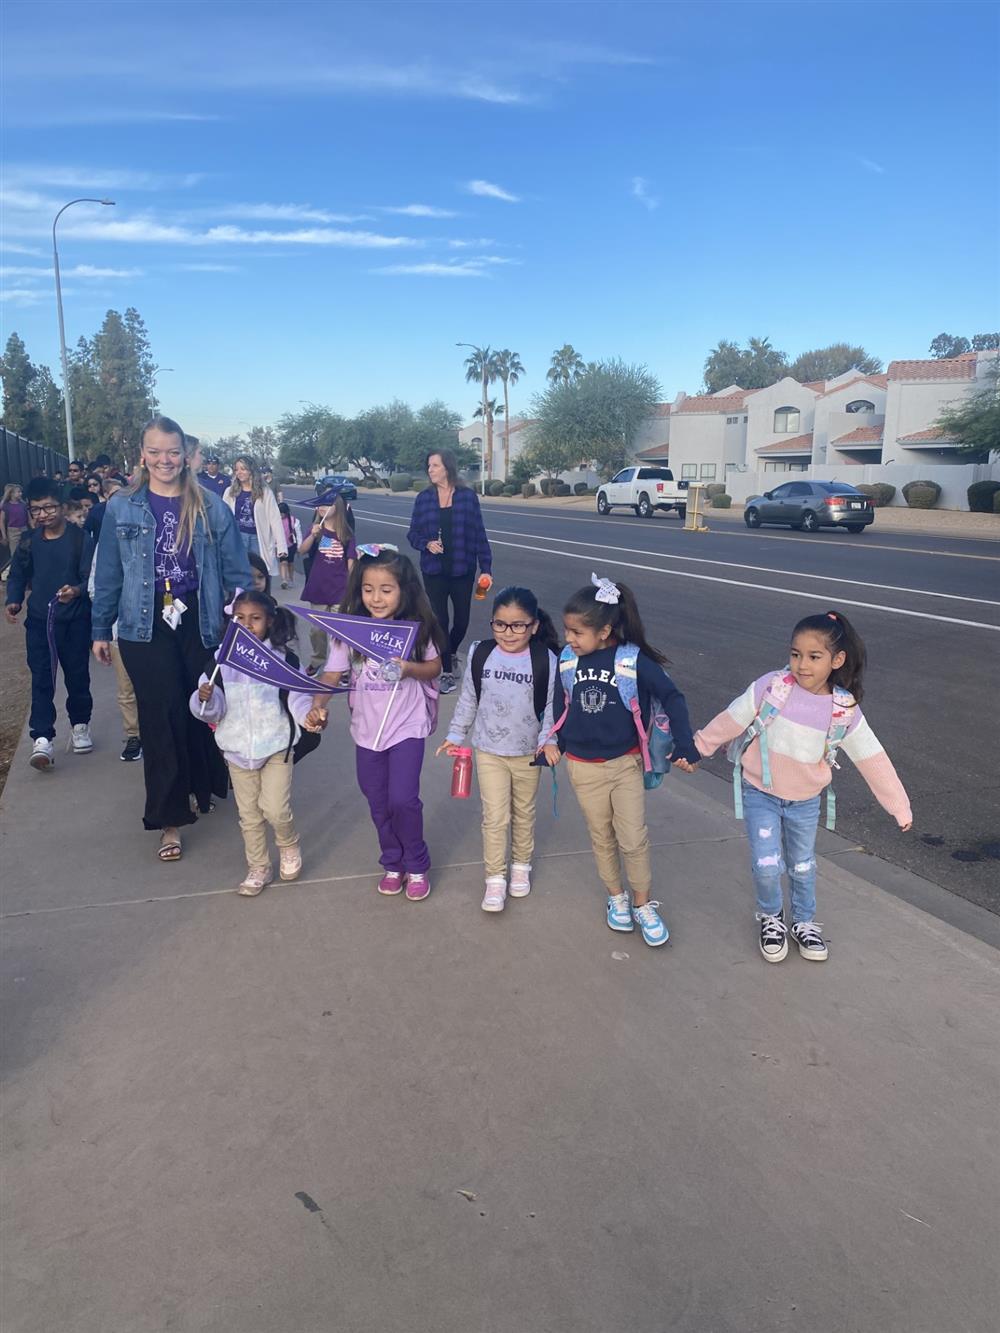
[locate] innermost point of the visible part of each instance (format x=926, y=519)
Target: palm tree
x=481, y=368
x=510, y=370
x=566, y=364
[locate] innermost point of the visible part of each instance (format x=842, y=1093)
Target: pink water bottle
x=461, y=774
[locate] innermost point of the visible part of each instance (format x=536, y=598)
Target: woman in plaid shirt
x=447, y=528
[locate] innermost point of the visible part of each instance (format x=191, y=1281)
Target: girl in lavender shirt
x=390, y=719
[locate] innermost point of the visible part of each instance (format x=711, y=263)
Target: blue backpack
x=656, y=744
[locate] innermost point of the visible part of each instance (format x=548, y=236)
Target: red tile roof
x=935, y=433
x=954, y=368
x=658, y=451
x=706, y=403
x=661, y=410
x=801, y=444
x=817, y=386
x=863, y=435
x=881, y=382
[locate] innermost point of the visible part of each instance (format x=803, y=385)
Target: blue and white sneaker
x=652, y=925
x=619, y=915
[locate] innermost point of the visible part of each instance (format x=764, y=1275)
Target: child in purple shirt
x=390, y=719
x=331, y=544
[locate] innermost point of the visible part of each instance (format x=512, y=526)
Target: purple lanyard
x=50, y=631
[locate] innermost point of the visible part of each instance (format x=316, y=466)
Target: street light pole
x=156, y=372
x=108, y=203
x=484, y=356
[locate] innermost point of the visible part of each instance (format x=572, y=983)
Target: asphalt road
x=721, y=605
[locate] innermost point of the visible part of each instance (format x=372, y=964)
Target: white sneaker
x=496, y=894
x=43, y=754
x=82, y=741
x=520, y=880
x=258, y=878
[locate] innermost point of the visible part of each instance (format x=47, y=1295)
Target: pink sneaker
x=417, y=887
x=520, y=880
x=391, y=883
x=290, y=862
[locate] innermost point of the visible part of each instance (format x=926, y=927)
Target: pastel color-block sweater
x=796, y=742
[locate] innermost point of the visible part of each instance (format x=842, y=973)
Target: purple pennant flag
x=381, y=640
x=244, y=652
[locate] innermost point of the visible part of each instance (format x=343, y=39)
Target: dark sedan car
x=337, y=482
x=811, y=505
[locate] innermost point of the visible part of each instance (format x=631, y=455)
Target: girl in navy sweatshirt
x=598, y=734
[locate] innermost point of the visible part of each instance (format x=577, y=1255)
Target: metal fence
x=22, y=459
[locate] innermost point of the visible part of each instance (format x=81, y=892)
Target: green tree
x=121, y=362
x=756, y=366
x=947, y=345
x=91, y=426
x=510, y=370
x=435, y=426
x=985, y=342
x=595, y=418
x=482, y=368
x=826, y=363
x=20, y=412
x=545, y=454
x=304, y=438
x=263, y=444
x=52, y=413
x=975, y=422
x=565, y=366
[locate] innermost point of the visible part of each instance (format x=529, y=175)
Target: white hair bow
x=606, y=590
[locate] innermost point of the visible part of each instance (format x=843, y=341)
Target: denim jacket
x=125, y=584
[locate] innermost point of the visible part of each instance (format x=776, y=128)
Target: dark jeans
x=390, y=780
x=73, y=651
x=442, y=588
x=179, y=754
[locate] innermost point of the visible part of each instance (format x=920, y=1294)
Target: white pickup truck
x=643, y=489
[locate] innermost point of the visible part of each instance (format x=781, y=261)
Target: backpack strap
x=626, y=676
x=477, y=662
x=841, y=717
x=539, y=675
x=568, y=661
x=776, y=695
x=292, y=658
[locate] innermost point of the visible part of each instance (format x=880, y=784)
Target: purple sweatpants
x=390, y=780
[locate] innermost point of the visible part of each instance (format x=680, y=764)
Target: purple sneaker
x=418, y=886
x=391, y=882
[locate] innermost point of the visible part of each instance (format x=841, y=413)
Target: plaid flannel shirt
x=470, y=545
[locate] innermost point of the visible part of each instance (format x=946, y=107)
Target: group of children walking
x=604, y=704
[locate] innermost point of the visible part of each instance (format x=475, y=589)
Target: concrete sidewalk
x=324, y=1111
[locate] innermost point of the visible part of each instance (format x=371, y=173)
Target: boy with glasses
x=54, y=563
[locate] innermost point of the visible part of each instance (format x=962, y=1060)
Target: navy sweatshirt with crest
x=600, y=726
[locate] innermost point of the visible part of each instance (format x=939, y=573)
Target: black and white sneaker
x=806, y=935
x=132, y=750
x=446, y=683
x=773, y=936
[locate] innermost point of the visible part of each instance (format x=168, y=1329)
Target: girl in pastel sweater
x=507, y=680
x=791, y=724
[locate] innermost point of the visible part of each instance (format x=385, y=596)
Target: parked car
x=643, y=489
x=811, y=505
x=337, y=482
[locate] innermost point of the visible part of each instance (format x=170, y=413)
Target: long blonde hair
x=8, y=492
x=192, y=493
x=256, y=481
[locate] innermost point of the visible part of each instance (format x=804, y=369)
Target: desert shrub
x=509, y=490
x=921, y=494
x=400, y=481
x=996, y=503
x=562, y=488
x=715, y=488
x=721, y=500
x=421, y=484
x=528, y=490
x=547, y=485
x=580, y=488
x=494, y=487
x=982, y=496
x=879, y=492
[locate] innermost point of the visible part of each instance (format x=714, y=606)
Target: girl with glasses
x=506, y=700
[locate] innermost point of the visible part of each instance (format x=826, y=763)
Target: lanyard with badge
x=173, y=607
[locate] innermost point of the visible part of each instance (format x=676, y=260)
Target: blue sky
x=637, y=179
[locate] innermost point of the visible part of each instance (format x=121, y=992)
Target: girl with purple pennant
x=256, y=728
x=393, y=710
x=331, y=543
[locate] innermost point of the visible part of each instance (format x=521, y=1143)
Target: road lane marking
x=735, y=583
x=735, y=564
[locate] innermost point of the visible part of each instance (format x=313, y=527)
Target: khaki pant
x=613, y=800
x=127, y=705
x=263, y=796
x=319, y=639
x=508, y=786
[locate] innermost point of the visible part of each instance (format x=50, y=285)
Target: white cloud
x=146, y=230
x=487, y=190
x=421, y=211
x=289, y=213
x=9, y=247
x=23, y=295
x=36, y=117
x=640, y=191
x=875, y=168
x=481, y=244
x=79, y=271
x=452, y=268
x=98, y=178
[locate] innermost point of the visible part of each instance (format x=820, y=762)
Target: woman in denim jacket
x=169, y=557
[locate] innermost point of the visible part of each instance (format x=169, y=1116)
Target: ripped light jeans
x=782, y=838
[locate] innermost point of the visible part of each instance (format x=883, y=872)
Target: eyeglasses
x=511, y=626
x=38, y=511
